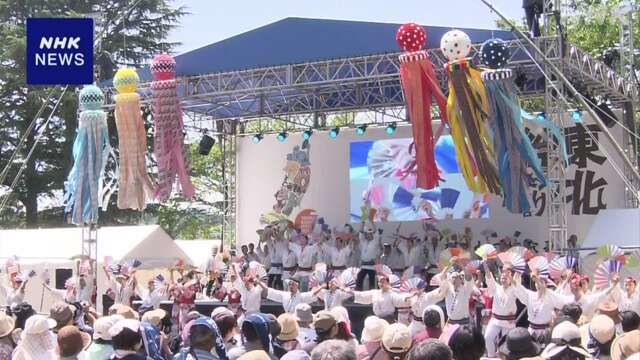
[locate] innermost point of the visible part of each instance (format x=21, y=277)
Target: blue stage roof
x=298, y=40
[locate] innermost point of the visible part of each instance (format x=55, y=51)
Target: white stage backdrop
x=592, y=184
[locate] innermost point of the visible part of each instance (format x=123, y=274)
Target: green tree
x=146, y=27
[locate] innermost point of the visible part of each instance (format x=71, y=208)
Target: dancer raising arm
x=503, y=317
x=289, y=299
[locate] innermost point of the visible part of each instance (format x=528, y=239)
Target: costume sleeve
x=522, y=293
x=275, y=295
x=307, y=297
x=435, y=296
x=364, y=297
x=491, y=282
x=559, y=300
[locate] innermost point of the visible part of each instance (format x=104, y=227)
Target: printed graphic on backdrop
x=586, y=176
x=382, y=176
x=59, y=51
x=297, y=176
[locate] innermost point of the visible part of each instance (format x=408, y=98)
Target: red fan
x=447, y=254
x=473, y=265
x=414, y=283
x=516, y=261
x=604, y=271
x=348, y=277
x=541, y=265
x=435, y=280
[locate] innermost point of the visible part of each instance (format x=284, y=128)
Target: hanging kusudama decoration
x=168, y=144
x=467, y=110
x=420, y=85
x=90, y=153
x=135, y=189
x=513, y=149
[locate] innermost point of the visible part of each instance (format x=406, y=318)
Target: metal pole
x=573, y=91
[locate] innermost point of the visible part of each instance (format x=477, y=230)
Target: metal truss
x=90, y=245
x=552, y=44
x=228, y=144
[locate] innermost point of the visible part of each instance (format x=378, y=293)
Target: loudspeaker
x=61, y=277
x=206, y=143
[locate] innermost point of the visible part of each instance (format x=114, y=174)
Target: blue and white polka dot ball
x=494, y=53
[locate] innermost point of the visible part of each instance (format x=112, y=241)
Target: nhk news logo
x=59, y=51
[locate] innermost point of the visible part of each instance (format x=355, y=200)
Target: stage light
x=282, y=136
x=576, y=115
x=542, y=116
x=257, y=138
x=391, y=128
x=334, y=132
x=307, y=134
x=206, y=143
x=360, y=130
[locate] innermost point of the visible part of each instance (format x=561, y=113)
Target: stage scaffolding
x=305, y=95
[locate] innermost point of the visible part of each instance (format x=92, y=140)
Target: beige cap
x=396, y=338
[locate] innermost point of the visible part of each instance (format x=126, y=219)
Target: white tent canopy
x=619, y=227
x=149, y=243
x=198, y=251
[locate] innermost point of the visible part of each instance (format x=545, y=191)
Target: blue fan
x=134, y=263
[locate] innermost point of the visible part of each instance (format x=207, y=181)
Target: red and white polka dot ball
x=411, y=37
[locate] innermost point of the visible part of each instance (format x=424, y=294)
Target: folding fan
x=158, y=280
x=609, y=252
x=602, y=274
x=384, y=269
x=633, y=259
x=256, y=269
x=435, y=280
x=516, y=261
x=317, y=278
x=541, y=265
x=445, y=256
x=134, y=263
x=412, y=271
x=525, y=253
x=411, y=284
x=348, y=277
x=395, y=281
x=473, y=265
x=487, y=251
x=32, y=273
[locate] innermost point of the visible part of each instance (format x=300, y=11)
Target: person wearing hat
x=394, y=258
x=255, y=332
x=370, y=244
x=598, y=335
x=565, y=342
x=306, y=334
x=71, y=342
x=250, y=294
x=589, y=301
x=289, y=299
x=227, y=325
x=433, y=320
x=122, y=284
x=205, y=342
x=286, y=340
x=396, y=341
x=7, y=325
x=101, y=347
x=371, y=347
x=333, y=350
x=432, y=349
x=519, y=344
x=127, y=340
x=457, y=288
x=541, y=305
x=37, y=340
x=123, y=310
x=629, y=297
x=326, y=326
x=384, y=299
x=420, y=300
x=62, y=314
x=503, y=317
x=625, y=345
x=629, y=321
x=334, y=296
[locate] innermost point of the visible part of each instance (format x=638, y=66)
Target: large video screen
x=382, y=177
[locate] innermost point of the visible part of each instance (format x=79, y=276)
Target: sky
x=214, y=20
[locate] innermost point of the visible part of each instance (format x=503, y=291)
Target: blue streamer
x=90, y=154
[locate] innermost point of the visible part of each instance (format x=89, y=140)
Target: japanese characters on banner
x=588, y=175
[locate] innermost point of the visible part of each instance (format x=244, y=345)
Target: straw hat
x=288, y=327
x=625, y=345
x=102, y=325
x=6, y=324
x=154, y=317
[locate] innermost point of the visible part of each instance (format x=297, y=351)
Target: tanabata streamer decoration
x=467, y=110
x=514, y=152
x=168, y=144
x=420, y=85
x=90, y=153
x=135, y=189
